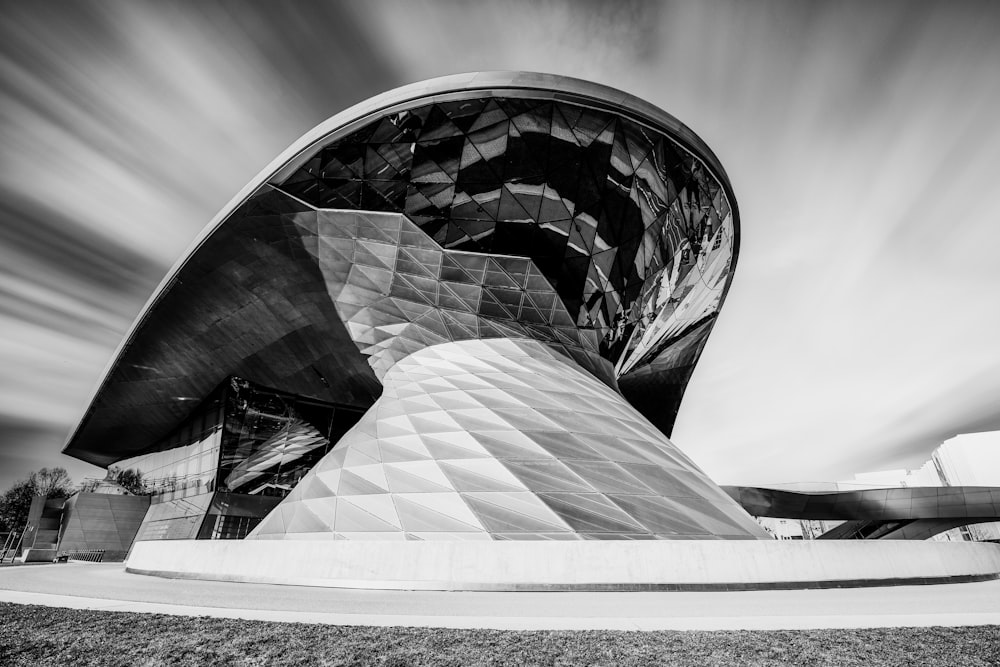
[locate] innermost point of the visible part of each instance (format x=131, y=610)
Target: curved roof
x=252, y=299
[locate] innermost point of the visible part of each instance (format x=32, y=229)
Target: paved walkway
x=107, y=586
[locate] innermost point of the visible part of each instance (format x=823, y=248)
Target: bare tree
x=51, y=482
x=16, y=501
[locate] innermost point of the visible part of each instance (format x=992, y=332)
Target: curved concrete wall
x=611, y=565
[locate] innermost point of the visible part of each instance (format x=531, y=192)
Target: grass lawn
x=35, y=636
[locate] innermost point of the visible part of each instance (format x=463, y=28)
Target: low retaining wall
x=585, y=565
x=37, y=555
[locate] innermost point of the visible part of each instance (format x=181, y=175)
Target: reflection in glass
x=632, y=230
x=234, y=459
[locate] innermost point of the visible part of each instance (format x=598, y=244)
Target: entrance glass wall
x=239, y=453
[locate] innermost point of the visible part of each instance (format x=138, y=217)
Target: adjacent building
x=952, y=496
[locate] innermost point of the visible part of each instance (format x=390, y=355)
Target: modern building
x=97, y=522
x=971, y=459
x=465, y=309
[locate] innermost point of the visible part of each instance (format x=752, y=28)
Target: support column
x=503, y=439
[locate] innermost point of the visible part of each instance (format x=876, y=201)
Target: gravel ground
x=36, y=636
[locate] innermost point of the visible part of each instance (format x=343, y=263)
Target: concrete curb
x=805, y=622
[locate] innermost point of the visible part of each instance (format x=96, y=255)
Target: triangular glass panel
x=506, y=448
x=354, y=457
x=437, y=125
x=590, y=125
x=490, y=306
x=380, y=507
x=443, y=153
x=376, y=166
x=449, y=297
x=407, y=263
x=397, y=155
x=511, y=208
x=562, y=127
x=546, y=476
x=395, y=454
x=710, y=516
x=473, y=264
x=342, y=161
x=360, y=136
x=621, y=159
x=497, y=518
x=590, y=512
x=466, y=480
x=607, y=477
x=351, y=519
x=491, y=144
x=658, y=515
x=419, y=518
x=401, y=481
x=384, y=195
x=524, y=159
x=463, y=113
x=387, y=132
x=451, y=270
x=304, y=521
x=554, y=207
x=666, y=482
x=442, y=450
x=490, y=115
x=565, y=446
x=352, y=485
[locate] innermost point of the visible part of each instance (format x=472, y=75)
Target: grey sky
x=861, y=139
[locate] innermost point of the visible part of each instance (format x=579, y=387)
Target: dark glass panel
x=599, y=203
x=590, y=512
x=463, y=113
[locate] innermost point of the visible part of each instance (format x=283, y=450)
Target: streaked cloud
x=860, y=137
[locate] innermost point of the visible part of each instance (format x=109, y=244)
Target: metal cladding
x=491, y=206
x=399, y=291
x=505, y=440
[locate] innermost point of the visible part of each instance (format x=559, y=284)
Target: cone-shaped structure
x=503, y=439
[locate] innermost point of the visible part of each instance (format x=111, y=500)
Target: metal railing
x=89, y=556
x=11, y=547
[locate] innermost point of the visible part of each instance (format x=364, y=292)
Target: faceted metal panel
x=398, y=291
x=107, y=522
x=503, y=439
x=632, y=229
x=250, y=302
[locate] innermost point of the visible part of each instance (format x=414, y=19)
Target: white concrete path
x=108, y=587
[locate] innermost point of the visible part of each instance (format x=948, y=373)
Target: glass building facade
x=631, y=229
x=238, y=454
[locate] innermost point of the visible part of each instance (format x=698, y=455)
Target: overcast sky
x=862, y=140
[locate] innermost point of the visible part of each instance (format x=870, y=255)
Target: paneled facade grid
x=503, y=439
x=633, y=232
x=398, y=291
